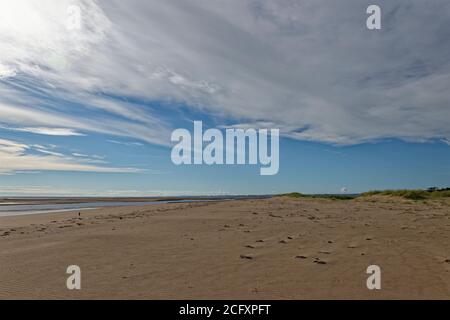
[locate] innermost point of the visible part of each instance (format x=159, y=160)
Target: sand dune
x=277, y=248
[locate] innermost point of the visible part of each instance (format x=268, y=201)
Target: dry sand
x=276, y=248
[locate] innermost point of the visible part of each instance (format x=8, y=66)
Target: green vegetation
x=429, y=194
x=319, y=196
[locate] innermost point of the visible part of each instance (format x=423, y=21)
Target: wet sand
x=279, y=248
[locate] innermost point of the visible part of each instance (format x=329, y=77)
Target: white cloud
x=80, y=155
x=50, y=152
x=310, y=67
x=128, y=144
x=51, y=131
x=20, y=157
x=46, y=131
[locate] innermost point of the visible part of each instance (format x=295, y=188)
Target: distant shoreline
x=13, y=201
x=412, y=194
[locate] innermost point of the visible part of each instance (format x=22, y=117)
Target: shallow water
x=23, y=209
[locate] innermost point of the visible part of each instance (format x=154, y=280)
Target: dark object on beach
x=274, y=216
x=79, y=214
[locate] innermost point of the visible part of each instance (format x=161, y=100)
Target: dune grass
x=319, y=196
x=429, y=194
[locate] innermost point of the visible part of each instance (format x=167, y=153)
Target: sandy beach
x=278, y=248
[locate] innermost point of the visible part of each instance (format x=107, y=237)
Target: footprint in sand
x=246, y=257
x=318, y=261
x=287, y=240
x=303, y=257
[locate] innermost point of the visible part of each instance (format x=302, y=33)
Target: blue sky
x=90, y=110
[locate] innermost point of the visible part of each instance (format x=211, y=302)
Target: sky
x=89, y=110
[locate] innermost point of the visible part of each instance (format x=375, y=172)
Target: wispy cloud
x=127, y=143
x=53, y=153
x=82, y=155
x=19, y=157
x=45, y=131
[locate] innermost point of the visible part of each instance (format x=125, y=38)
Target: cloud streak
x=64, y=132
x=19, y=157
